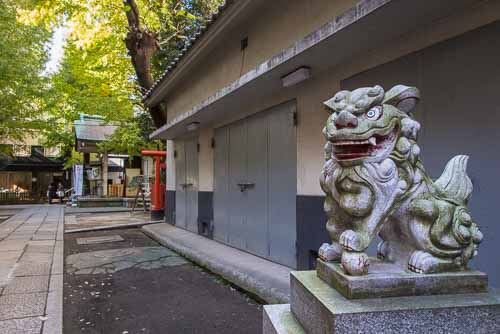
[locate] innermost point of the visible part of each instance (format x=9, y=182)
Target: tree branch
x=142, y=46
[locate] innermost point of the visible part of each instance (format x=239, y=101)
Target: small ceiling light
x=299, y=75
x=193, y=126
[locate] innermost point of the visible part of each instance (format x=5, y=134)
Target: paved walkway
x=31, y=268
x=136, y=286
x=267, y=280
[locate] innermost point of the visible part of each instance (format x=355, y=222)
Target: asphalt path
x=138, y=286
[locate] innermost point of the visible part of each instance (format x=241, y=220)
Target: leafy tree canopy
x=22, y=59
x=96, y=75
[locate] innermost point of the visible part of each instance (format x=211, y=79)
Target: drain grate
x=98, y=240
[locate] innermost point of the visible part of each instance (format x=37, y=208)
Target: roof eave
x=188, y=58
x=392, y=19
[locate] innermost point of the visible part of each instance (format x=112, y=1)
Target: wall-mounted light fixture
x=193, y=126
x=298, y=75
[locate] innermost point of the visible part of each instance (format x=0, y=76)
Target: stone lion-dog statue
x=375, y=182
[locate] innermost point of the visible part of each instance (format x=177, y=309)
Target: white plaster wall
x=312, y=116
x=310, y=95
x=310, y=141
x=206, y=159
x=270, y=29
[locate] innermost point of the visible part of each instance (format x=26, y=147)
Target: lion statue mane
x=375, y=183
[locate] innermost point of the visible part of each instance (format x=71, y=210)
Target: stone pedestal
x=318, y=308
x=390, y=280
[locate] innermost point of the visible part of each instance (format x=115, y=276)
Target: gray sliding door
x=186, y=169
x=255, y=184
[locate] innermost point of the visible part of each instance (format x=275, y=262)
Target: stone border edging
x=258, y=281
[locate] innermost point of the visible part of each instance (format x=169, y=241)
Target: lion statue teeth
x=375, y=183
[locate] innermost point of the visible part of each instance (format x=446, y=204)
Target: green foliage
x=75, y=158
x=22, y=57
x=93, y=80
x=180, y=21
x=172, y=21
x=6, y=149
x=130, y=138
x=96, y=75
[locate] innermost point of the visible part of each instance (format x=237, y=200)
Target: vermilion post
x=157, y=205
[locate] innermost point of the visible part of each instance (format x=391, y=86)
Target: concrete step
x=278, y=319
x=265, y=279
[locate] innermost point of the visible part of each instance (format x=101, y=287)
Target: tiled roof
x=36, y=160
x=203, y=28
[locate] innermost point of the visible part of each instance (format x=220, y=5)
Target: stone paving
x=31, y=270
x=113, y=260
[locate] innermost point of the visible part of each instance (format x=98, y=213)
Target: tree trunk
x=157, y=116
x=142, y=46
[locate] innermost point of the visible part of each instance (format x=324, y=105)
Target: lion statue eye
x=374, y=113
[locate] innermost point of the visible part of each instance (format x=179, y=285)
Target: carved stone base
x=390, y=280
x=320, y=309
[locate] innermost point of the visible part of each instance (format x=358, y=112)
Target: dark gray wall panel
x=460, y=114
x=311, y=231
x=170, y=206
x=205, y=205
x=205, y=213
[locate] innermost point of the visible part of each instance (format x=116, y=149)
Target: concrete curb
x=111, y=227
x=54, y=304
x=265, y=279
x=77, y=210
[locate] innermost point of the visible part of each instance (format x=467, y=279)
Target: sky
x=56, y=50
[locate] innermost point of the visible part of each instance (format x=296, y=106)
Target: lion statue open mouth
x=375, y=183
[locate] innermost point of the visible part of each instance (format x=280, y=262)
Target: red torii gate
x=158, y=193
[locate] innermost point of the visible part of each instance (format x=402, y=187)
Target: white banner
x=78, y=179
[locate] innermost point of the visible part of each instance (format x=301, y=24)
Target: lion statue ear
x=337, y=102
x=403, y=97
